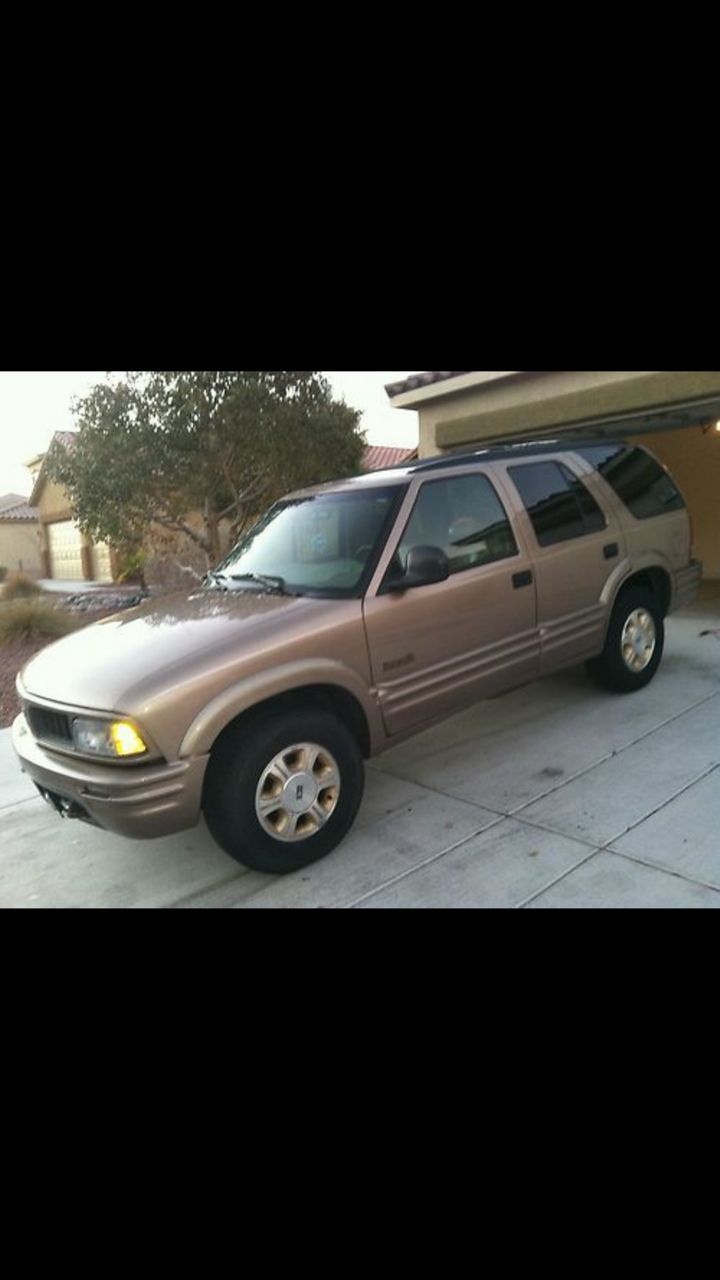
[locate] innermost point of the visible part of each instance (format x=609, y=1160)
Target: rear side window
x=638, y=480
x=559, y=505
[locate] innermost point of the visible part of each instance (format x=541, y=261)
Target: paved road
x=556, y=795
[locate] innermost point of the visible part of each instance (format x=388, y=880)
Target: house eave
x=448, y=387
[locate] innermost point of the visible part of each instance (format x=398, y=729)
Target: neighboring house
x=65, y=552
x=19, y=535
x=379, y=457
x=62, y=551
x=675, y=414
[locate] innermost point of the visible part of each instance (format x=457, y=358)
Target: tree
x=157, y=448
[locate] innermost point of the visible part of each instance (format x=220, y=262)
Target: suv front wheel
x=634, y=645
x=283, y=790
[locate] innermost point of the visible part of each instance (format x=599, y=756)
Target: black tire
x=610, y=670
x=237, y=765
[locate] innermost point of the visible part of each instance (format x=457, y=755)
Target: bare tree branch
x=180, y=526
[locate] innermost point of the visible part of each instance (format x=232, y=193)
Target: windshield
x=326, y=544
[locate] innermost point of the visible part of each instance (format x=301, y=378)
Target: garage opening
x=65, y=545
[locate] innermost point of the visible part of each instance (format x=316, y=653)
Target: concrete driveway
x=556, y=795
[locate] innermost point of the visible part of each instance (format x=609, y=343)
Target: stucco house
x=676, y=414
x=65, y=552
x=19, y=535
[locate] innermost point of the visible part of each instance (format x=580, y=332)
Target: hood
x=113, y=664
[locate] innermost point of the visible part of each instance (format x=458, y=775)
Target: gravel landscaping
x=12, y=659
x=14, y=655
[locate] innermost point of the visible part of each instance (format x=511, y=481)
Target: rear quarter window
x=637, y=478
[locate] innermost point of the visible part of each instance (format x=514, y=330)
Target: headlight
x=114, y=738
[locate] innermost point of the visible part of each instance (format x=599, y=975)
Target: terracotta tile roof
x=380, y=457
x=65, y=438
x=419, y=380
x=11, y=500
x=19, y=509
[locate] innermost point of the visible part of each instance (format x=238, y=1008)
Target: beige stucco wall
x=694, y=460
x=20, y=546
x=53, y=503
x=538, y=402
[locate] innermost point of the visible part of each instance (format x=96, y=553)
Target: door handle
x=611, y=551
x=522, y=579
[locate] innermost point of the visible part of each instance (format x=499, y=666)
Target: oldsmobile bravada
x=352, y=616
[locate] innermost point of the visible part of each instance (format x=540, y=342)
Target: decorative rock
x=97, y=600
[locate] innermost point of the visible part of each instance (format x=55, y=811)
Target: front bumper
x=144, y=801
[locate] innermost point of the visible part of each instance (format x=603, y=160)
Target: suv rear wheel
x=634, y=645
x=283, y=790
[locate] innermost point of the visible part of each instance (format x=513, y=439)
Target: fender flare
x=254, y=690
x=624, y=573
x=647, y=562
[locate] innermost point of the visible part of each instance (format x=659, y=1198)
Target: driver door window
x=465, y=518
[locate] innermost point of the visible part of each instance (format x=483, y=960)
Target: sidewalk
x=557, y=795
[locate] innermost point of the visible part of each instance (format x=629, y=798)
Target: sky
x=35, y=405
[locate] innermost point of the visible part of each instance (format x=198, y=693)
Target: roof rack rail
x=503, y=453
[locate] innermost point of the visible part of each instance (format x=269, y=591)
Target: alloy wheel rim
x=639, y=640
x=298, y=792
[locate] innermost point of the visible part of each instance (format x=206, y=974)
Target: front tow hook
x=66, y=808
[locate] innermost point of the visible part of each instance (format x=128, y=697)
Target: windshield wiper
x=265, y=580
x=218, y=578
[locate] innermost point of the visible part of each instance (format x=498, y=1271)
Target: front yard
x=13, y=657
x=47, y=618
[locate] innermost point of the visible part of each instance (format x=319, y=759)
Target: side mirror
x=425, y=566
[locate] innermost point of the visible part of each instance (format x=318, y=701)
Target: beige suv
x=351, y=617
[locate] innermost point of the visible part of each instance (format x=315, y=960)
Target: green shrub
x=19, y=587
x=3, y=573
x=132, y=567
x=33, y=620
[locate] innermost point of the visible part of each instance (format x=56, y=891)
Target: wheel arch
x=654, y=579
x=330, y=690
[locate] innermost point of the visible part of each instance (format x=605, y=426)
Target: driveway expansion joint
x=663, y=804
x=427, y=862
x=557, y=879
x=611, y=755
x=606, y=847
x=516, y=814
x=660, y=866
